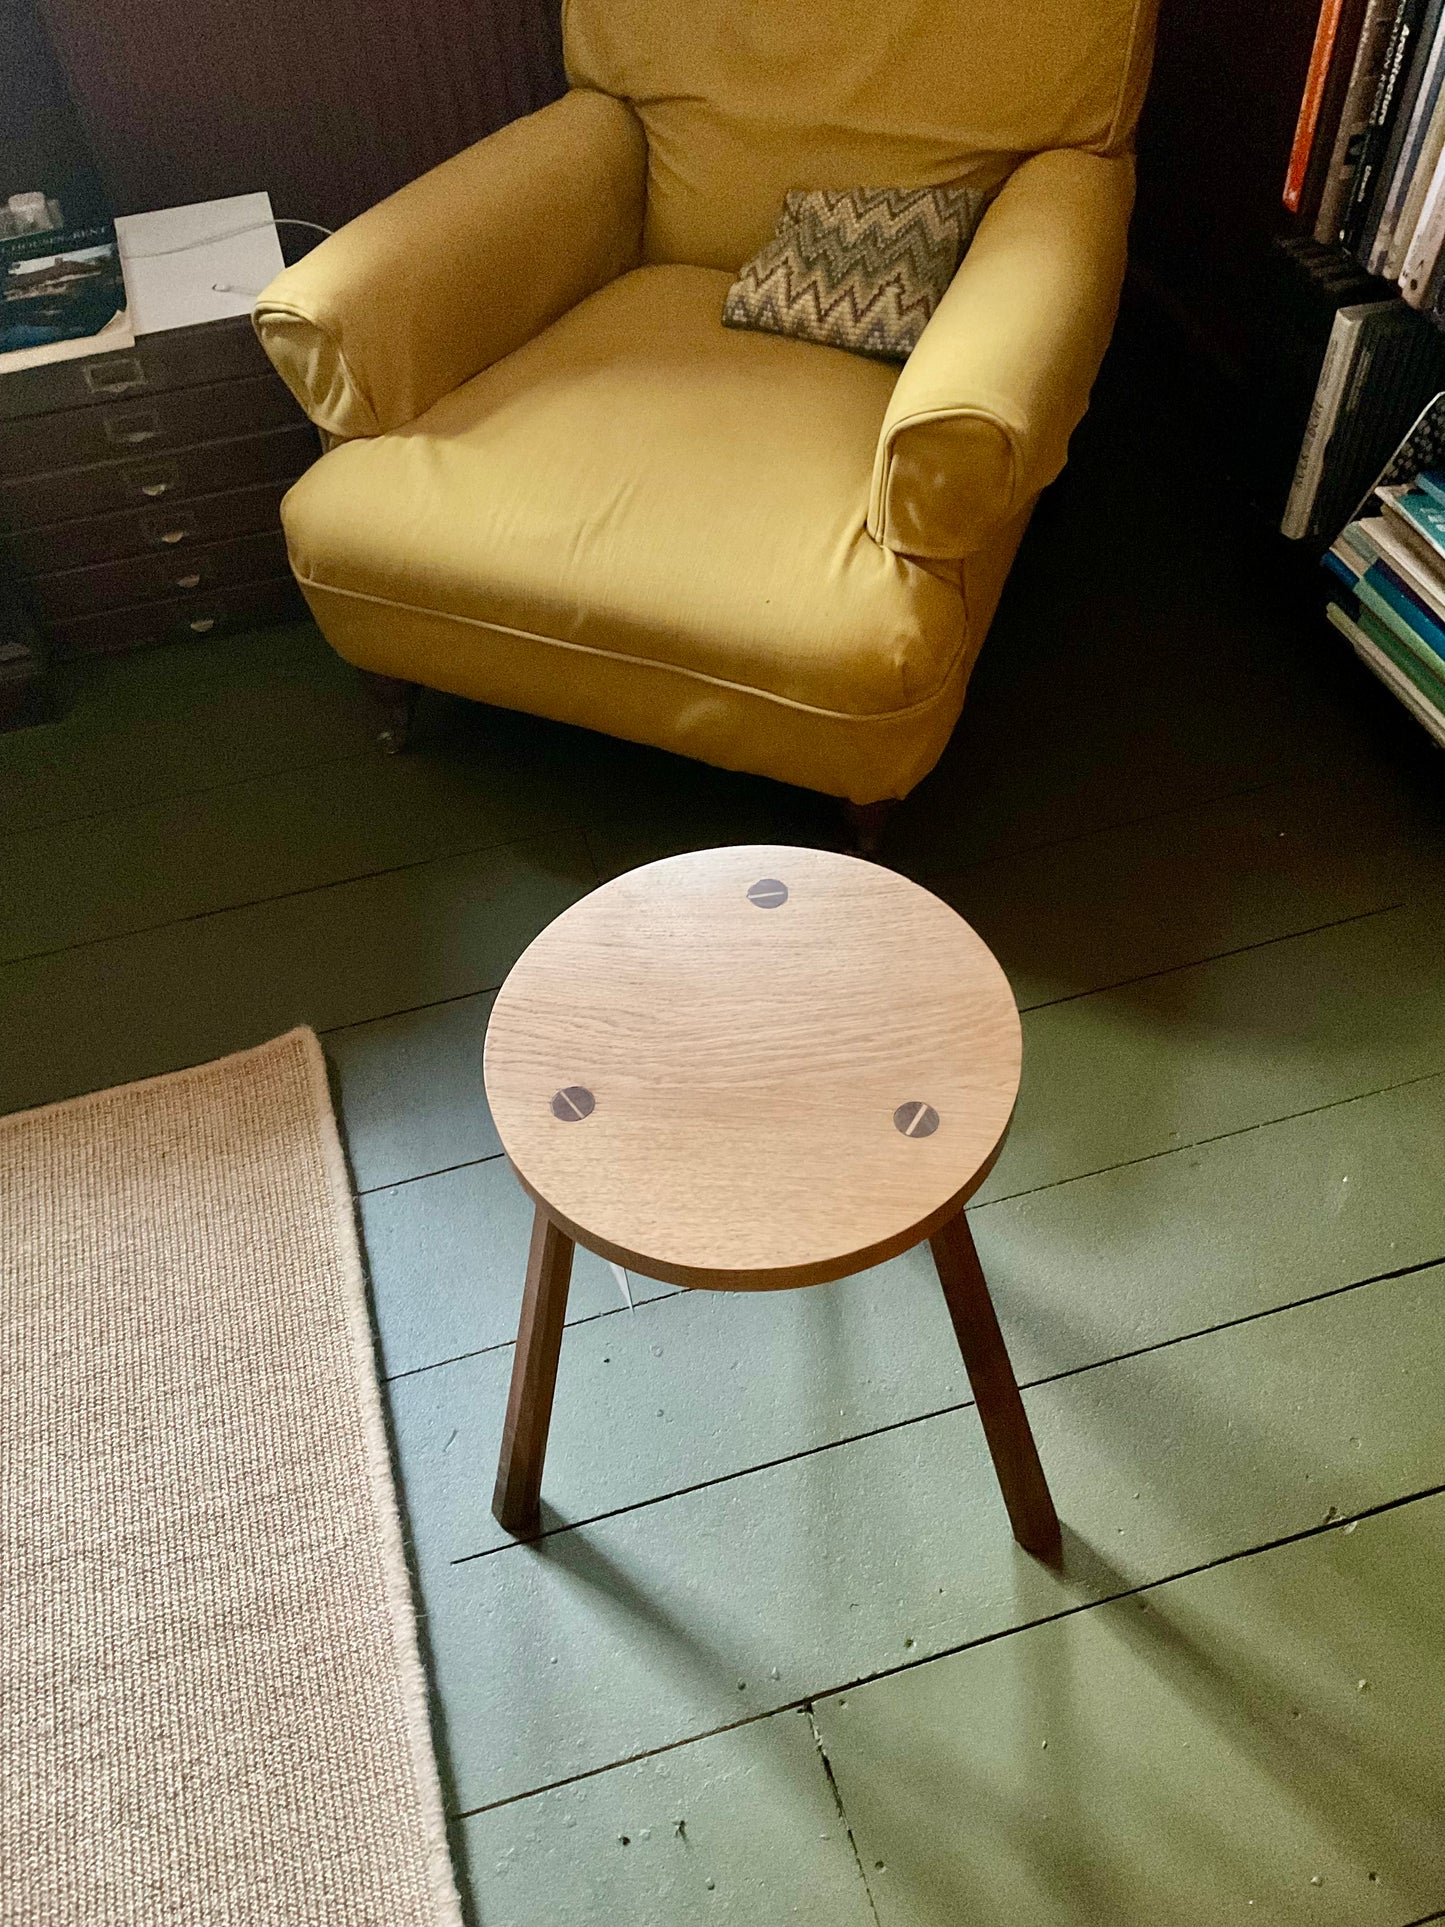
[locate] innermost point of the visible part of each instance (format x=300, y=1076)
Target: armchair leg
x=866, y=823
x=396, y=701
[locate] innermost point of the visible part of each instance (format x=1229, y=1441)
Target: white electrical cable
x=209, y=240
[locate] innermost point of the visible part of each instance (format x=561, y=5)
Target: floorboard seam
x=828, y=1774
x=810, y=1700
x=915, y=1418
x=1213, y=957
x=506, y=1345
x=406, y=1010
x=420, y=1177
x=1197, y=1143
x=180, y=796
x=930, y=879
x=288, y=896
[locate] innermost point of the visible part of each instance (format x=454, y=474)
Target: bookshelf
x=1364, y=183
x=1307, y=364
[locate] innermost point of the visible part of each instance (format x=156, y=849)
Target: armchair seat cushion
x=641, y=489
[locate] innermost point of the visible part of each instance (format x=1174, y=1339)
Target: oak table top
x=754, y=1067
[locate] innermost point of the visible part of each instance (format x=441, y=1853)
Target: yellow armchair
x=558, y=483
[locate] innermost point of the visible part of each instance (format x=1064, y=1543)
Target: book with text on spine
x=1406, y=132
x=1354, y=119
x=1357, y=414
x=1354, y=223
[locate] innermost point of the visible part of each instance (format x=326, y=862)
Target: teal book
x=1408, y=605
x=1425, y=514
x=1432, y=688
x=1399, y=613
x=1432, y=481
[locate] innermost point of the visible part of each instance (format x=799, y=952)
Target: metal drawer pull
x=114, y=377
x=153, y=489
x=128, y=431
x=202, y=624
x=190, y=581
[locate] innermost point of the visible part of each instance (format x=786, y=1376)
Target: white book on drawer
x=198, y=263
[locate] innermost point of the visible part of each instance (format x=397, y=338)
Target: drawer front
x=172, y=476
x=38, y=444
x=221, y=612
x=175, y=358
x=192, y=573
x=150, y=531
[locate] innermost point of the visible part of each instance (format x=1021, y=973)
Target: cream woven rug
x=211, y=1706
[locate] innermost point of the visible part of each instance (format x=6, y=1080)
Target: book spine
x=1354, y=119
x=1377, y=137
x=1422, y=173
x=1426, y=241
x=1340, y=462
x=1326, y=29
x=1377, y=649
x=1411, y=608
x=1324, y=412
x=1417, y=99
x=1400, y=627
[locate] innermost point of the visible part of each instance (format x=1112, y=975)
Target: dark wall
x=41, y=143
x=326, y=104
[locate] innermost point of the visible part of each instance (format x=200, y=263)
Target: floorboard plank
x=1224, y=1045
x=410, y=1094
x=1121, y=904
x=1149, y=1252
x=112, y=1011
x=740, y=1829
x=447, y=1257
x=137, y=870
x=1262, y=1742
x=134, y=730
x=793, y=1581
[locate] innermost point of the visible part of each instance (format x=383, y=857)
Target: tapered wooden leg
x=396, y=700
x=866, y=823
x=995, y=1389
x=534, y=1378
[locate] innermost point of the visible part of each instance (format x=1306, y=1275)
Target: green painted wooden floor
x=777, y=1659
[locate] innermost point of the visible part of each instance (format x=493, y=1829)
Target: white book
x=1330, y=391
x=1390, y=495
x=1431, y=148
x=1394, y=679
x=1417, y=566
x=1423, y=251
x=198, y=263
x=1408, y=160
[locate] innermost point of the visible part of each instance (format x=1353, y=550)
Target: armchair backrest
x=743, y=99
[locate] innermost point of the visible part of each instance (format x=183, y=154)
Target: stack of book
x=1389, y=569
x=1366, y=367
x=1367, y=168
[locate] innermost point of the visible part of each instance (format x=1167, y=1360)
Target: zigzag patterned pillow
x=861, y=268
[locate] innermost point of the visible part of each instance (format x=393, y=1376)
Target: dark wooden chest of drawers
x=140, y=490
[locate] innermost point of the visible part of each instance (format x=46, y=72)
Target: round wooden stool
x=747, y=1069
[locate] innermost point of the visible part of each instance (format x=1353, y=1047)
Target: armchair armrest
x=981, y=415
x=460, y=267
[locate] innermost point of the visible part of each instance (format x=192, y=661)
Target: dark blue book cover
x=59, y=285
